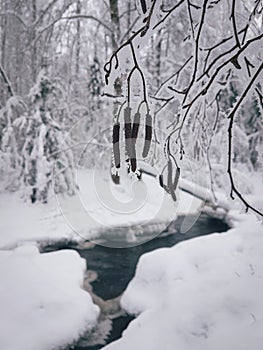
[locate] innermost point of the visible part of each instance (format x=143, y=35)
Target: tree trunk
x=33, y=37
x=78, y=43
x=114, y=11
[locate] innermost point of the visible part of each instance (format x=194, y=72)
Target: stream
x=111, y=269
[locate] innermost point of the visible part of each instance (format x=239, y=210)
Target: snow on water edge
x=42, y=303
x=88, y=214
x=204, y=293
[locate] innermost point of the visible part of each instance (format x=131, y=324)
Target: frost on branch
x=200, y=71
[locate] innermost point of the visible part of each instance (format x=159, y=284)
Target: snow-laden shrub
x=32, y=142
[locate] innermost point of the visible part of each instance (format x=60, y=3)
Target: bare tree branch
x=233, y=18
x=168, y=13
x=196, y=52
x=230, y=132
x=7, y=81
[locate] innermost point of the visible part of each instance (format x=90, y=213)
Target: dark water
x=115, y=267
x=119, y=324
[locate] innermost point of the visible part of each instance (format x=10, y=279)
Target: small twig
x=129, y=29
x=180, y=92
x=233, y=18
x=190, y=18
x=168, y=13
x=173, y=75
x=196, y=53
x=248, y=66
x=7, y=81
x=204, y=90
x=111, y=95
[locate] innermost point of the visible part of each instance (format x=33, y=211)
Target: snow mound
x=122, y=215
x=22, y=221
x=205, y=293
x=42, y=303
x=99, y=208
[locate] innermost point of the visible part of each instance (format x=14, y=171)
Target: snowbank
x=41, y=300
x=99, y=206
x=22, y=221
x=133, y=208
x=205, y=194
x=205, y=293
x=102, y=205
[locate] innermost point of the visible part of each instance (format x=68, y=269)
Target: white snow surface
x=202, y=294
x=24, y=222
x=98, y=206
x=42, y=303
x=101, y=205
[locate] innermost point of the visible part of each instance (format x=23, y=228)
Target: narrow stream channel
x=111, y=269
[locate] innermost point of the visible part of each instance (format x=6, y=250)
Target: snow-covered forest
x=130, y=126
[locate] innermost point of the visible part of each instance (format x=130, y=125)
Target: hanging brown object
x=143, y=6
x=174, y=185
x=173, y=195
x=169, y=174
x=148, y=135
x=176, y=178
x=133, y=163
x=135, y=126
x=162, y=184
x=170, y=183
x=116, y=145
x=128, y=131
x=115, y=178
x=161, y=180
x=135, y=131
x=133, y=157
x=236, y=63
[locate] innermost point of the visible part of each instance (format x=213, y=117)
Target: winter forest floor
x=194, y=295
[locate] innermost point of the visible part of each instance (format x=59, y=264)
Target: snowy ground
x=205, y=293
x=22, y=221
x=95, y=209
x=42, y=302
x=141, y=206
x=200, y=294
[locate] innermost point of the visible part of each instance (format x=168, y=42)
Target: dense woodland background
x=197, y=64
